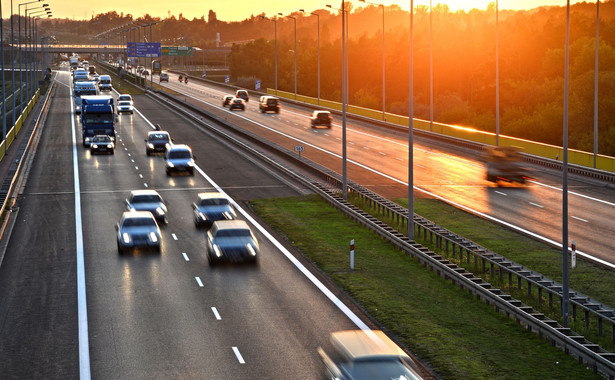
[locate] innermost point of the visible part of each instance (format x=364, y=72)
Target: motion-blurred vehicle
x=237, y=103
x=243, y=94
x=157, y=141
x=104, y=84
x=321, y=118
x=126, y=97
x=102, y=144
x=367, y=355
x=137, y=229
x=212, y=206
x=269, y=103
x=504, y=163
x=179, y=159
x=147, y=200
x=125, y=106
x=164, y=77
x=231, y=241
x=227, y=100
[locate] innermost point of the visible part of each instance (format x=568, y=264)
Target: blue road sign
x=257, y=85
x=227, y=79
x=204, y=75
x=144, y=49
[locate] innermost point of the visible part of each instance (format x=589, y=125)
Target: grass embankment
x=459, y=336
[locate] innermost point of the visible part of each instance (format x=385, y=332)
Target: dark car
x=269, y=103
x=157, y=141
x=231, y=241
x=237, y=103
x=367, y=355
x=179, y=159
x=227, y=100
x=137, y=229
x=147, y=200
x=212, y=206
x=164, y=77
x=321, y=118
x=243, y=94
x=102, y=144
x=505, y=163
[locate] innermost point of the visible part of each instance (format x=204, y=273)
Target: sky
x=238, y=10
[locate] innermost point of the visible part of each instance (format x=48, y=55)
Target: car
x=95, y=77
x=227, y=100
x=212, y=206
x=102, y=144
x=125, y=97
x=147, y=200
x=137, y=229
x=505, y=163
x=243, y=94
x=321, y=118
x=367, y=355
x=231, y=241
x=157, y=141
x=269, y=103
x=164, y=77
x=237, y=103
x=124, y=106
x=105, y=84
x=179, y=159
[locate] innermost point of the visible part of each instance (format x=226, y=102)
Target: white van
x=104, y=84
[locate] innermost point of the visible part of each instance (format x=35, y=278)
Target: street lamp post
x=34, y=48
x=3, y=81
x=596, y=82
x=411, y=130
x=344, y=97
x=20, y=54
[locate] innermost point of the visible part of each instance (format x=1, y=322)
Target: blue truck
x=98, y=117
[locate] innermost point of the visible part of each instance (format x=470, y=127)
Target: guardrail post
x=586, y=318
x=574, y=311
x=529, y=288
x=539, y=295
x=599, y=326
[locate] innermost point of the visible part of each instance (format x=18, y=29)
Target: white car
x=137, y=229
x=124, y=106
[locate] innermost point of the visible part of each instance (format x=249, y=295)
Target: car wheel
x=191, y=171
x=131, y=112
x=113, y=151
x=120, y=250
x=147, y=152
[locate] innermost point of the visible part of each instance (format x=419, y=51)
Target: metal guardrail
x=591, y=354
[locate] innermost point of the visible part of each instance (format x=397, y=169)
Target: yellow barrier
x=576, y=157
x=12, y=133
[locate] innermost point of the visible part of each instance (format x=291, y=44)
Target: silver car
x=148, y=200
x=212, y=206
x=137, y=229
x=231, y=241
x=125, y=106
x=102, y=144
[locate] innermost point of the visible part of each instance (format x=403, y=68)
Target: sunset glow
x=228, y=11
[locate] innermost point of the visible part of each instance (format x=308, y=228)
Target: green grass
x=459, y=336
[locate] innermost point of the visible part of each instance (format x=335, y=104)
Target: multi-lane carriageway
x=170, y=315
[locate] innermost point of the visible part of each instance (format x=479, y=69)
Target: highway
x=378, y=159
x=149, y=315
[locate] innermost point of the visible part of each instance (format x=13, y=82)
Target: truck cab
x=97, y=117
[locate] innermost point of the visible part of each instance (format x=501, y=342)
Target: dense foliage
x=531, y=63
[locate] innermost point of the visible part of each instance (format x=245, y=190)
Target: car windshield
x=272, y=102
x=99, y=118
x=124, y=104
x=233, y=233
x=180, y=154
x=214, y=202
x=147, y=198
x=99, y=139
x=139, y=222
x=378, y=369
x=124, y=97
x=159, y=137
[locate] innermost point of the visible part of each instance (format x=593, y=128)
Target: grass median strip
x=459, y=336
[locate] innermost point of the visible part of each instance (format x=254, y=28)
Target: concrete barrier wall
x=576, y=157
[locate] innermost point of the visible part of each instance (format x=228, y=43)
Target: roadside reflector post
x=573, y=255
x=352, y=254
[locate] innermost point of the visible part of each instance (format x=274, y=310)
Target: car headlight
x=159, y=211
x=217, y=250
x=126, y=238
x=251, y=250
x=94, y=146
x=87, y=139
x=152, y=237
x=110, y=146
x=150, y=145
x=227, y=215
x=202, y=216
x=170, y=164
x=190, y=163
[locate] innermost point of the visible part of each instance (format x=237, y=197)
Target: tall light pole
x=295, y=20
x=344, y=98
x=596, y=82
x=565, y=294
x=34, y=48
x=3, y=81
x=20, y=55
x=411, y=130
x=383, y=61
x=318, y=33
x=275, y=38
x=497, y=75
x=430, y=67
